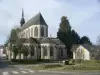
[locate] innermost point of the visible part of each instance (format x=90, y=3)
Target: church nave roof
x=36, y=20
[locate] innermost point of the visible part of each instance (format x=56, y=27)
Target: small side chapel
x=34, y=33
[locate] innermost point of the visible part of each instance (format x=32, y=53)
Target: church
x=34, y=34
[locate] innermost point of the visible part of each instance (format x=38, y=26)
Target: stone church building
x=34, y=34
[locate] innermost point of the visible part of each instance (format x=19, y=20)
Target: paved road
x=6, y=69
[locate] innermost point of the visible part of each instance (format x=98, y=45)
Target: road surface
x=6, y=69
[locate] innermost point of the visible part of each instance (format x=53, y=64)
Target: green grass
x=45, y=66
x=84, y=66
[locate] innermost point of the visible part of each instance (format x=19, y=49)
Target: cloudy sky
x=83, y=15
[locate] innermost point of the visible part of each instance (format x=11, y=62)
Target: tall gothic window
x=24, y=34
x=45, y=51
x=32, y=50
x=27, y=34
x=36, y=32
x=42, y=31
x=61, y=51
x=51, y=51
x=31, y=32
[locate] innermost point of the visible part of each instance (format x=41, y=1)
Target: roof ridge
x=36, y=20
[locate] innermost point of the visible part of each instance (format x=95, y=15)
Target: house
x=2, y=51
x=34, y=34
x=86, y=52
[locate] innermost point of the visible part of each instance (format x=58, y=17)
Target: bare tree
x=98, y=40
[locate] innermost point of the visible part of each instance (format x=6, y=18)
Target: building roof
x=47, y=40
x=36, y=20
x=90, y=48
x=42, y=40
x=30, y=40
x=52, y=41
x=1, y=46
x=57, y=41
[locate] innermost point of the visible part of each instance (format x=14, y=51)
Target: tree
x=19, y=45
x=85, y=40
x=12, y=40
x=98, y=40
x=6, y=42
x=64, y=34
x=13, y=36
x=64, y=25
x=15, y=50
x=25, y=51
x=75, y=37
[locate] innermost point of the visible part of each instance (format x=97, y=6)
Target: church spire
x=22, y=19
x=22, y=13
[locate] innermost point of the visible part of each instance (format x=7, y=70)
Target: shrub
x=71, y=61
x=24, y=61
x=43, y=60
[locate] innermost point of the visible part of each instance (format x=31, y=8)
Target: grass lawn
x=78, y=67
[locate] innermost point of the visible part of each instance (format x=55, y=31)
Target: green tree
x=25, y=51
x=98, y=40
x=13, y=36
x=75, y=37
x=85, y=40
x=64, y=25
x=6, y=42
x=64, y=34
x=15, y=51
x=19, y=45
x=13, y=40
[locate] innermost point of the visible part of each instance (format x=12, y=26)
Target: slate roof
x=42, y=40
x=57, y=41
x=30, y=40
x=52, y=40
x=91, y=48
x=47, y=40
x=36, y=20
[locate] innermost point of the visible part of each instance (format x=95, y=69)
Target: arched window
x=31, y=32
x=24, y=34
x=27, y=34
x=45, y=51
x=32, y=50
x=21, y=34
x=36, y=32
x=51, y=51
x=61, y=51
x=42, y=31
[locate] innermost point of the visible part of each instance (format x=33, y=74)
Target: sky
x=83, y=15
